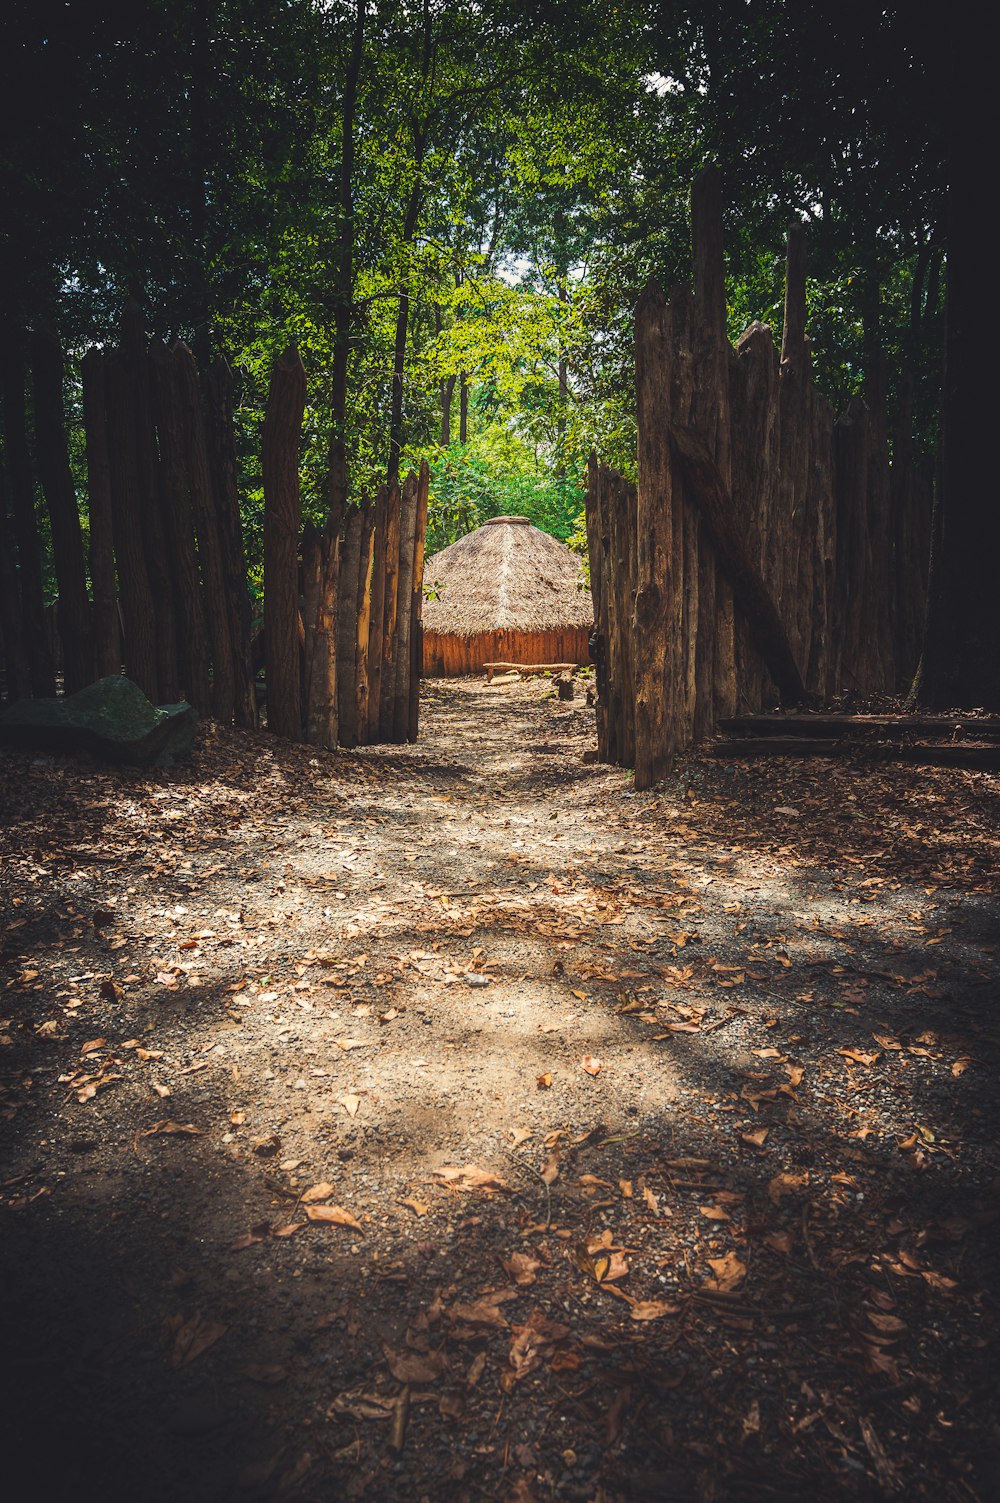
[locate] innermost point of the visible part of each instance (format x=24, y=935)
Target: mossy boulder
x=111, y=719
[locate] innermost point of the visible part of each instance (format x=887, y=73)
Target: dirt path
x=455, y=1123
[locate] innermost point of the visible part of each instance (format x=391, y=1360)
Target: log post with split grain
x=417, y=603
x=282, y=515
x=107, y=627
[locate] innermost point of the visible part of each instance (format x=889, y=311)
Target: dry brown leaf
x=550, y=1169
x=173, y=1129
x=729, y=1272
x=781, y=1242
x=418, y=1207
x=859, y=1057
x=756, y=1137
x=289, y=1230
x=652, y=1309
x=193, y=1338
x=785, y=1184
x=714, y=1213
x=544, y=1083
x=316, y=1192
x=415, y=1367
x=469, y=1177
x=333, y=1215
x=591, y=1065
x=888, y=1325
x=961, y=1065
x=350, y=1103
x=522, y=1267
x=237, y=1118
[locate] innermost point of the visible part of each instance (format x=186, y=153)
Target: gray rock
x=111, y=719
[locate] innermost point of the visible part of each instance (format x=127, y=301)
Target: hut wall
x=448, y=656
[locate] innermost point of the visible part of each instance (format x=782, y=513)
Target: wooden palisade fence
x=170, y=601
x=767, y=552
x=362, y=585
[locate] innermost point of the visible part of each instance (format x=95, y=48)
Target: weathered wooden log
x=347, y=629
x=150, y=501
x=366, y=554
x=282, y=515
x=404, y=613
x=712, y=497
x=25, y=522
x=107, y=626
x=934, y=754
x=210, y=547
x=193, y=650
x=376, y=615
x=654, y=601
x=389, y=565
x=813, y=724
x=417, y=602
x=138, y=612
x=321, y=700
x=222, y=454
x=597, y=554
x=17, y=673
x=52, y=458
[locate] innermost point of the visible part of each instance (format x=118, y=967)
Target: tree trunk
x=463, y=408
x=107, y=626
x=344, y=308
x=192, y=636
x=282, y=515
x=52, y=456
x=222, y=451
x=321, y=708
x=210, y=547
x=417, y=603
x=25, y=529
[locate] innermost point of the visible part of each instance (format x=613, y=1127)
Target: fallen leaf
x=550, y=1169
x=714, y=1213
x=316, y=1192
x=651, y=1309
x=522, y=1267
x=415, y=1367
x=961, y=1065
x=470, y=1178
x=350, y=1104
x=859, y=1057
x=729, y=1272
x=544, y=1083
x=785, y=1184
x=417, y=1206
x=591, y=1065
x=333, y=1215
x=756, y=1137
x=193, y=1338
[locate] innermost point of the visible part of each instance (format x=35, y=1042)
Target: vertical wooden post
x=192, y=636
x=347, y=629
x=210, y=551
x=11, y=629
x=417, y=602
x=149, y=501
x=366, y=554
x=282, y=514
x=107, y=628
x=52, y=459
x=390, y=568
x=218, y=382
x=404, y=612
x=321, y=704
x=377, y=612
x=654, y=704
x=25, y=521
x=138, y=612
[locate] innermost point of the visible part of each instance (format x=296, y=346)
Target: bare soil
x=455, y=1123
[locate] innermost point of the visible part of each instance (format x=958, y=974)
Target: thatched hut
x=505, y=593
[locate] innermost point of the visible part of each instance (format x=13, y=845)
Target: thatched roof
x=507, y=575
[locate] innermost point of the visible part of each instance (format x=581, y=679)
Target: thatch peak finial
x=510, y=521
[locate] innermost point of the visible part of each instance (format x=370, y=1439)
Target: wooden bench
x=528, y=668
